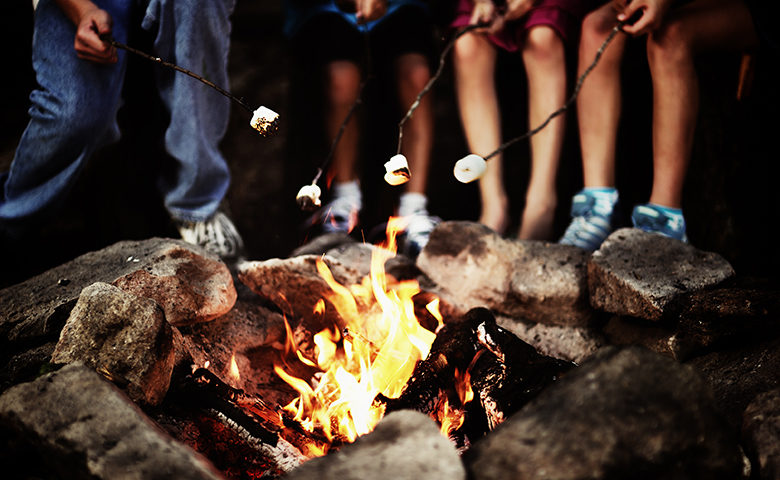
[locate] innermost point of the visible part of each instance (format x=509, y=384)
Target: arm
x=91, y=22
x=651, y=14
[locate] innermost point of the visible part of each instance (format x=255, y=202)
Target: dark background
x=731, y=198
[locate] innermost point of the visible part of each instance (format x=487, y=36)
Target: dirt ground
x=731, y=203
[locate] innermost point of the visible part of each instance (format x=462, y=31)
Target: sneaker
x=591, y=223
x=340, y=215
x=217, y=235
x=418, y=231
x=657, y=219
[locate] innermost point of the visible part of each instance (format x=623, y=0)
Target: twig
x=110, y=40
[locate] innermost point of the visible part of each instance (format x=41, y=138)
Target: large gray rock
x=35, y=310
x=81, y=426
x=533, y=281
x=191, y=288
x=405, y=445
x=122, y=335
x=623, y=414
x=761, y=434
x=641, y=274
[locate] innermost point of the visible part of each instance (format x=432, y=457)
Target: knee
x=595, y=29
x=468, y=49
x=72, y=117
x=669, y=45
x=343, y=82
x=413, y=71
x=542, y=44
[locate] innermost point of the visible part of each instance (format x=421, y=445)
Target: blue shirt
x=298, y=12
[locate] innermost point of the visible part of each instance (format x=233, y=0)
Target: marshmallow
x=308, y=197
x=265, y=121
x=397, y=170
x=469, y=168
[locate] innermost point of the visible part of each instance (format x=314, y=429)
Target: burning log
x=505, y=372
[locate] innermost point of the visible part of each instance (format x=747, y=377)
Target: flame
x=371, y=353
x=233, y=369
x=452, y=418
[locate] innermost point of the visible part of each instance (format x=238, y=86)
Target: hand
x=91, y=24
x=651, y=15
x=484, y=12
x=370, y=10
x=517, y=8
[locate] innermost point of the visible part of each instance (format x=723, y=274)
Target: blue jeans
x=75, y=106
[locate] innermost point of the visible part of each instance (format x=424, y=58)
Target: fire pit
x=299, y=367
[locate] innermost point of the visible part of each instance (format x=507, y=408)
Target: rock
x=25, y=366
x=405, y=445
x=655, y=336
x=625, y=413
x=535, y=281
x=101, y=434
x=761, y=434
x=296, y=287
x=123, y=335
x=191, y=288
x=356, y=255
x=574, y=344
x=641, y=274
x=34, y=311
x=736, y=375
x=321, y=244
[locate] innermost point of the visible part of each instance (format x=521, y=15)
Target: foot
x=217, y=235
x=658, y=219
x=494, y=215
x=340, y=215
x=592, y=212
x=537, y=222
x=418, y=231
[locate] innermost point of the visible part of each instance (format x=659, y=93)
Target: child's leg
x=699, y=26
x=342, y=89
x=598, y=103
x=475, y=61
x=413, y=74
x=545, y=65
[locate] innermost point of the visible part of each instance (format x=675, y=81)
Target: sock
x=675, y=215
x=349, y=191
x=606, y=198
x=412, y=203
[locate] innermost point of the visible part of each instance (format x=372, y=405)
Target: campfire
x=307, y=361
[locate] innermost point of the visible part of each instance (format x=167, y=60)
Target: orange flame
x=374, y=352
x=233, y=371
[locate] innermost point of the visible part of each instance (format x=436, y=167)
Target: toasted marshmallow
x=469, y=168
x=397, y=169
x=308, y=197
x=265, y=121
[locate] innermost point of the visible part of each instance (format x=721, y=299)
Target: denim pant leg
x=194, y=34
x=73, y=112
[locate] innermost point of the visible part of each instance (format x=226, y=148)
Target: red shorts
x=563, y=16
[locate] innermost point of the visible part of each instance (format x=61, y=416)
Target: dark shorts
x=329, y=37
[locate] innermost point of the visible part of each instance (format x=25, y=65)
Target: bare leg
x=413, y=74
x=342, y=91
x=544, y=57
x=475, y=61
x=701, y=25
x=598, y=104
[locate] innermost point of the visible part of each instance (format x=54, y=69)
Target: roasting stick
x=472, y=166
x=264, y=120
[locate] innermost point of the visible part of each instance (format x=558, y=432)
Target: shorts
x=563, y=16
x=329, y=37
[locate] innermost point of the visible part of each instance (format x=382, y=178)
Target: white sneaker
x=418, y=231
x=217, y=235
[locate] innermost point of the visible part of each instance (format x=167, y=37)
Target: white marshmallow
x=397, y=170
x=308, y=197
x=265, y=121
x=469, y=168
